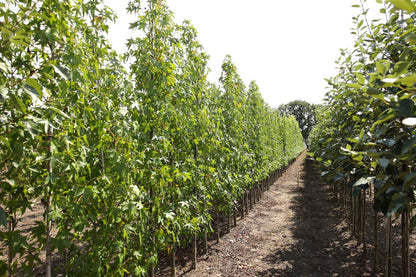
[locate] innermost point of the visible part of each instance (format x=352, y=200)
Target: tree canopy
x=305, y=114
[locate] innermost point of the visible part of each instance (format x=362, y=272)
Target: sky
x=287, y=47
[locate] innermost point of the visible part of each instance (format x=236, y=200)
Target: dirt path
x=295, y=230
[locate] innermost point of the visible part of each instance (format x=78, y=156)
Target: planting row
x=365, y=139
x=126, y=163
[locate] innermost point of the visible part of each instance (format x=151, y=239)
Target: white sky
x=287, y=47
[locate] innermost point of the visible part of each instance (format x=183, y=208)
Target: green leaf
x=3, y=218
x=32, y=86
x=385, y=118
x=363, y=181
x=408, y=144
x=62, y=71
x=383, y=162
x=405, y=5
x=381, y=68
x=399, y=202
x=373, y=91
x=406, y=108
x=408, y=80
x=59, y=112
x=413, y=222
x=360, y=78
x=4, y=67
x=18, y=103
x=354, y=85
x=409, y=121
x=409, y=180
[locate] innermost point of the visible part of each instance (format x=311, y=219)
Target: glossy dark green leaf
x=406, y=108
x=409, y=180
x=408, y=144
x=3, y=218
x=383, y=162
x=398, y=203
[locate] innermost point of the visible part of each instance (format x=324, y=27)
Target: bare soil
x=296, y=229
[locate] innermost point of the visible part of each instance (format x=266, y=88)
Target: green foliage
x=125, y=163
x=305, y=114
x=364, y=132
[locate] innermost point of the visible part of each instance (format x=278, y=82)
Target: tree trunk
x=389, y=262
x=363, y=223
x=218, y=224
x=194, y=250
x=246, y=202
x=173, y=262
x=359, y=218
x=228, y=222
x=376, y=246
x=405, y=243
x=205, y=240
x=242, y=207
x=10, y=225
x=48, y=221
x=344, y=202
x=353, y=214
x=235, y=215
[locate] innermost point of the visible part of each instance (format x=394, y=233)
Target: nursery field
x=296, y=229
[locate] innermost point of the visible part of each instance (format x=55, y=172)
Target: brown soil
x=296, y=229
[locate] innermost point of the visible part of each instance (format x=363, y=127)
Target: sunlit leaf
x=410, y=121
x=405, y=5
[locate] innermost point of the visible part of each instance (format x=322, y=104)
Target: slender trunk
x=253, y=194
x=353, y=215
x=246, y=202
x=389, y=261
x=405, y=243
x=258, y=194
x=376, y=246
x=363, y=223
x=250, y=198
x=242, y=207
x=194, y=250
x=173, y=262
x=344, y=202
x=48, y=221
x=228, y=222
x=205, y=240
x=235, y=215
x=152, y=228
x=10, y=225
x=218, y=224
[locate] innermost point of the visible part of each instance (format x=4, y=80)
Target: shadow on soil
x=321, y=247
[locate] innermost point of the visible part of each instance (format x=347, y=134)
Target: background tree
x=305, y=114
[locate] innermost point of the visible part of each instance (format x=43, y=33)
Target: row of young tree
x=124, y=164
x=365, y=137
